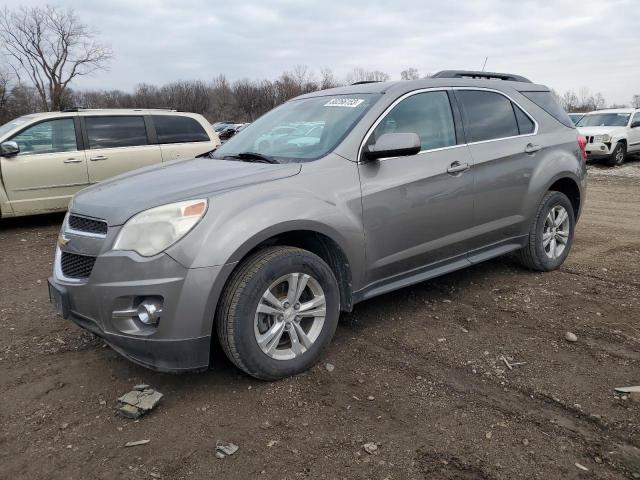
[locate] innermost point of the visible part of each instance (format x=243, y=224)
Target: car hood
x=118, y=199
x=600, y=130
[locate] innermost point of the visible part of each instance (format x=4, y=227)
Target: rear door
x=418, y=210
x=503, y=146
x=117, y=144
x=49, y=169
x=181, y=137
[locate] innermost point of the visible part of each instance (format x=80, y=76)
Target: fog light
x=149, y=312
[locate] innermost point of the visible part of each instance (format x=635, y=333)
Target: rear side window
x=488, y=115
x=176, y=129
x=525, y=124
x=548, y=103
x=112, y=132
x=426, y=114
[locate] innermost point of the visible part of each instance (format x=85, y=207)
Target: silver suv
x=263, y=244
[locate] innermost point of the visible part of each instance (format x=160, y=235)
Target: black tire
x=619, y=155
x=236, y=312
x=533, y=255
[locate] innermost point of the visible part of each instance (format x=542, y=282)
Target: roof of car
x=613, y=110
x=108, y=111
x=408, y=85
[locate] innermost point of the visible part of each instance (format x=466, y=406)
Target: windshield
x=14, y=123
x=300, y=130
x=604, y=120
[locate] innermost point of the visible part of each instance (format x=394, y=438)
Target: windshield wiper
x=253, y=157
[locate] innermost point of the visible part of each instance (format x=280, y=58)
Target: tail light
x=582, y=143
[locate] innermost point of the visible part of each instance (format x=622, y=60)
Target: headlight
x=601, y=138
x=154, y=230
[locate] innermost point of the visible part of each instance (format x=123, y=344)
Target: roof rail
x=79, y=109
x=362, y=82
x=473, y=74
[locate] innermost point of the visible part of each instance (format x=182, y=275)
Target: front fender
x=239, y=220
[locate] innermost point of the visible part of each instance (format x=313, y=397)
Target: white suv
x=45, y=158
x=611, y=134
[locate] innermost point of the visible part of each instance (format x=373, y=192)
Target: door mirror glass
x=7, y=149
x=393, y=145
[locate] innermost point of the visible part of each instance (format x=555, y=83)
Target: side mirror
x=393, y=145
x=7, y=149
x=635, y=124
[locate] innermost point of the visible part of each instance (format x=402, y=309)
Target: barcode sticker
x=344, y=102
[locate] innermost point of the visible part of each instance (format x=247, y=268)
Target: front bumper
x=119, y=281
x=595, y=150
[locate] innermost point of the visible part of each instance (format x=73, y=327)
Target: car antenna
x=484, y=64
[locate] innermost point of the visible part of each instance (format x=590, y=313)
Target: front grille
x=89, y=225
x=76, y=266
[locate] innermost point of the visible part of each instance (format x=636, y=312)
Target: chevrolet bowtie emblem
x=62, y=240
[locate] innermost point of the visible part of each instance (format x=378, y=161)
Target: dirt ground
x=419, y=372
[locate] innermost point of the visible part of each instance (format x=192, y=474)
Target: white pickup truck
x=611, y=134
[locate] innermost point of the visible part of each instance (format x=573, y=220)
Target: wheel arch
x=313, y=238
x=568, y=186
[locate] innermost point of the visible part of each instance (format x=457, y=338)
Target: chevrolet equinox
x=332, y=198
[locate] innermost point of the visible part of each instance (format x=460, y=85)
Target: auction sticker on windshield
x=344, y=102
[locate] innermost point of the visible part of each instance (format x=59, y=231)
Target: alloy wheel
x=555, y=235
x=290, y=316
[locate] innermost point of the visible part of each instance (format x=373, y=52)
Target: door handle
x=72, y=160
x=98, y=157
x=531, y=148
x=457, y=167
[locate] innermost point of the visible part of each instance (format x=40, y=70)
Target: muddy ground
x=419, y=372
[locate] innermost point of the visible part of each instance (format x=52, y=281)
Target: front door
x=418, y=209
x=634, y=134
x=49, y=169
x=118, y=144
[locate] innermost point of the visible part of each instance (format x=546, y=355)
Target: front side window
x=427, y=114
x=112, y=132
x=636, y=117
x=177, y=129
x=300, y=130
x=604, y=120
x=51, y=136
x=488, y=115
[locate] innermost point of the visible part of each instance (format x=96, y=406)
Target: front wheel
x=278, y=312
x=618, y=156
x=550, y=234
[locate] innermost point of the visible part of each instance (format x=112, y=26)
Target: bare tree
x=51, y=47
x=635, y=101
x=361, y=75
x=327, y=80
x=410, y=74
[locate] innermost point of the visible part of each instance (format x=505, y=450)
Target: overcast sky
x=564, y=44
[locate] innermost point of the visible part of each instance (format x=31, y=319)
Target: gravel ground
x=418, y=372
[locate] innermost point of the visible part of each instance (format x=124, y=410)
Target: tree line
x=46, y=48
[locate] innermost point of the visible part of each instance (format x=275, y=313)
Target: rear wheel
x=278, y=312
x=618, y=156
x=550, y=234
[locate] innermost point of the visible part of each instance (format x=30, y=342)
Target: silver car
x=263, y=250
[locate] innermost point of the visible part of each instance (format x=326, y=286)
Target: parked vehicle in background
x=230, y=131
x=47, y=157
x=263, y=249
x=220, y=126
x=611, y=134
x=575, y=117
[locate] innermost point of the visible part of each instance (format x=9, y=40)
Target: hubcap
x=290, y=316
x=555, y=235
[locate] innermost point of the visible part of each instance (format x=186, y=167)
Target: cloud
x=563, y=44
